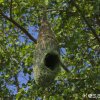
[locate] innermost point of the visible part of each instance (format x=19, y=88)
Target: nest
x=46, y=63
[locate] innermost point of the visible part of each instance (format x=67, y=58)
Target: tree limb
x=20, y=27
x=88, y=24
x=16, y=82
x=11, y=9
x=64, y=67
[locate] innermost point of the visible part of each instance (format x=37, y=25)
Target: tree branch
x=16, y=82
x=11, y=9
x=20, y=27
x=64, y=67
x=88, y=24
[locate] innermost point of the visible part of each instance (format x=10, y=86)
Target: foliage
x=77, y=32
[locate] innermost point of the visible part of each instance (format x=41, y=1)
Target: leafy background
x=76, y=25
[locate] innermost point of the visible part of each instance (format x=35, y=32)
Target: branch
x=88, y=24
x=16, y=82
x=20, y=27
x=64, y=67
x=11, y=9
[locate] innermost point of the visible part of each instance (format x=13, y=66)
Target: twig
x=64, y=67
x=11, y=9
x=16, y=82
x=88, y=24
x=20, y=27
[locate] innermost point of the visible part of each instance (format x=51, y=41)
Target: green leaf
x=46, y=2
x=18, y=96
x=1, y=1
x=6, y=76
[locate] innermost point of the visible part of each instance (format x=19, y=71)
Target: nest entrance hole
x=51, y=60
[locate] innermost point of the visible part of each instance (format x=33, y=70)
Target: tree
x=75, y=25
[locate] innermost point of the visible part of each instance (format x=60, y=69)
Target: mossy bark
x=46, y=64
